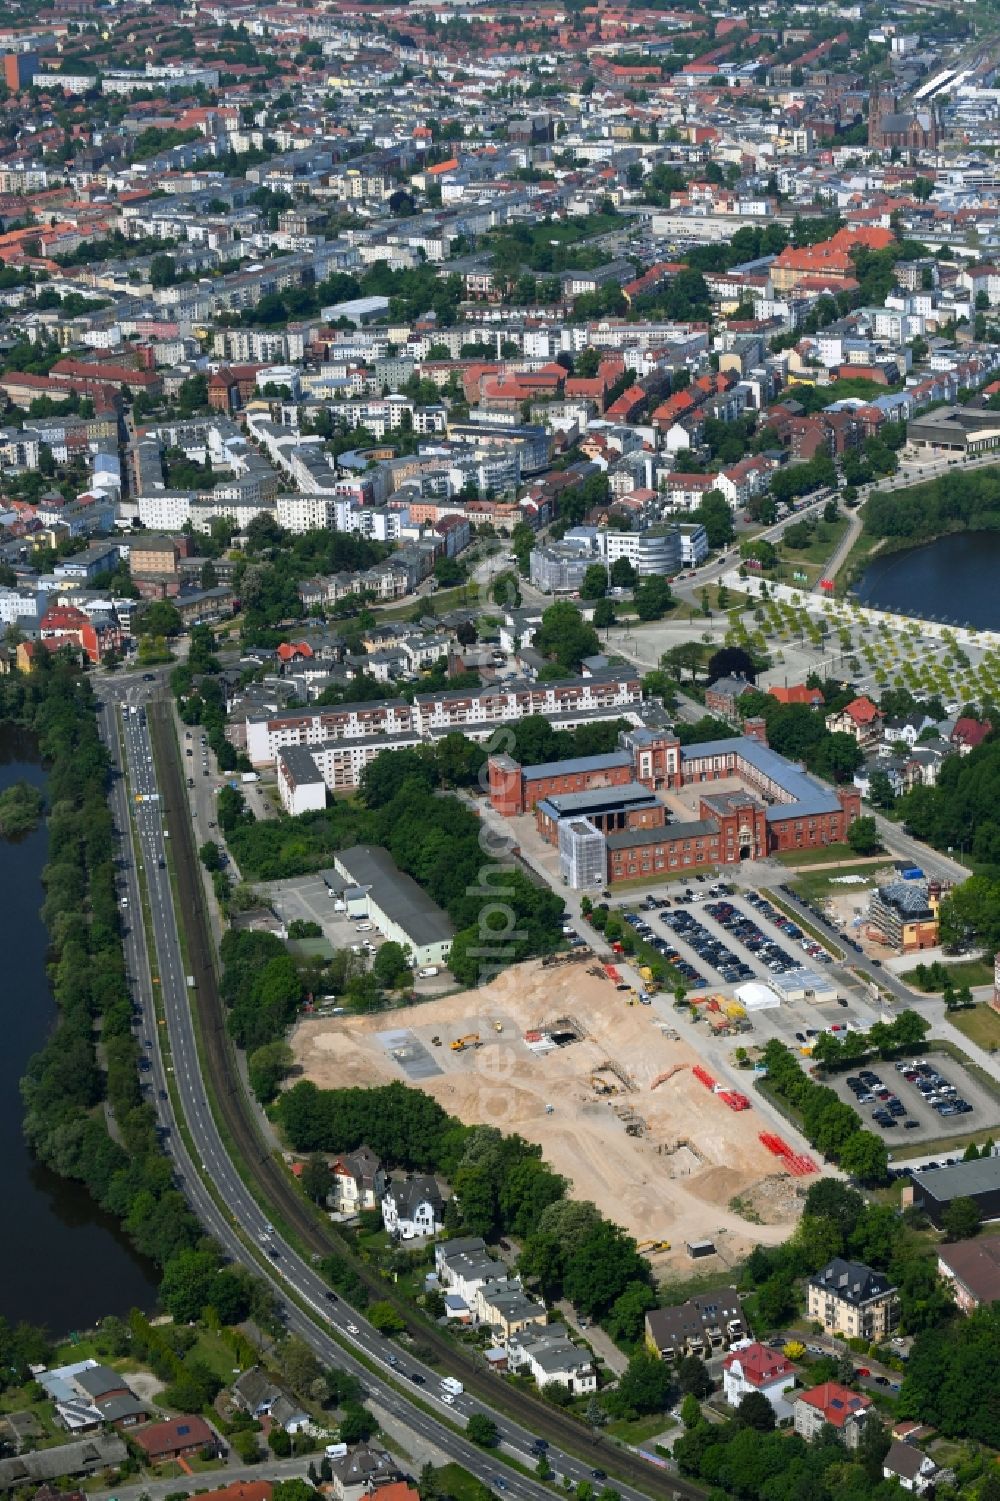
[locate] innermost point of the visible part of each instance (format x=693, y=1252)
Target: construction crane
x=470, y=1040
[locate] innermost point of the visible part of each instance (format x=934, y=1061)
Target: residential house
x=552, y=1358
x=906, y=730
x=842, y=1408
x=849, y=1298
x=861, y=719
x=86, y=1395
x=706, y=1323
x=968, y=733
x=261, y=1397
x=753, y=1367
x=177, y=1437
x=973, y=1269
x=84, y=1456
x=722, y=696
x=412, y=1208
x=363, y=1471
x=238, y=1490
x=506, y=1307
x=906, y=1464
x=358, y=1181
x=464, y=1265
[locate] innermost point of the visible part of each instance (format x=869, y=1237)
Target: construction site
x=620, y=1101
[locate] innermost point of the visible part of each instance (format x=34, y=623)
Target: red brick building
x=776, y=805
x=187, y=1434
x=516, y=789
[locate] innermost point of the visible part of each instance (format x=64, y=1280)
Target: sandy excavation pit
x=665, y=1162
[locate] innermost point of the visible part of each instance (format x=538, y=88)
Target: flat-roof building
x=395, y=903
x=979, y=1181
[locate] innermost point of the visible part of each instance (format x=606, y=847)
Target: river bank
x=66, y=1263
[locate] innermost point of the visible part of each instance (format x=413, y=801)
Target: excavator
x=470, y=1040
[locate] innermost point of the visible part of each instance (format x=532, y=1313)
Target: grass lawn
x=826, y=536
x=219, y=1356
x=969, y=972
x=981, y=1024
x=815, y=885
x=840, y=855
x=641, y=1429
x=460, y=1485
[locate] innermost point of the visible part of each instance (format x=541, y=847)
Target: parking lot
x=924, y=1090
x=309, y=899
x=718, y=939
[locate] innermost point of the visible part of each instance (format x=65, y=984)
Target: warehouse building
x=979, y=1181
x=402, y=912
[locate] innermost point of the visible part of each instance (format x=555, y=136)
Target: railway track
x=236, y=1112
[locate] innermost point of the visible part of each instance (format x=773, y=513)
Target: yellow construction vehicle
x=498, y=1026
x=470, y=1040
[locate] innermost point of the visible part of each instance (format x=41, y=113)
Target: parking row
x=667, y=951
x=749, y=935
x=711, y=951
x=810, y=947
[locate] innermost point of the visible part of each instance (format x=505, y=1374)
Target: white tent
x=756, y=997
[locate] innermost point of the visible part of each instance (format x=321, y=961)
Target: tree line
x=952, y=502
x=64, y=1084
x=830, y=1125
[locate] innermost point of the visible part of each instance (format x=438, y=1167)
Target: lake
x=953, y=578
x=63, y=1263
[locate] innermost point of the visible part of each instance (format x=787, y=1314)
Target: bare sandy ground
x=667, y=1163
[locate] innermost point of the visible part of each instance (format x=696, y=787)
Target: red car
x=861, y=1370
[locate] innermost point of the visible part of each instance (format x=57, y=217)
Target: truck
x=912, y=873
x=249, y=776
x=190, y=981
x=428, y=971
x=336, y=1451
x=452, y=1386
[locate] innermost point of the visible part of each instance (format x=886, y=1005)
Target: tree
x=693, y=1377
x=161, y=618
x=280, y=1442
x=392, y=966
x=880, y=792
x=267, y=1066
x=863, y=836
x=653, y=597
x=645, y=1386
x=690, y=1411
x=715, y=515
x=623, y=574
x=756, y=1412
x=731, y=661
x=604, y=614
x=565, y=637
x=315, y=1178
x=595, y=582
x=357, y=1425
x=482, y=1430
x=247, y=1445
x=865, y=1156
x=961, y=1219
x=386, y=1318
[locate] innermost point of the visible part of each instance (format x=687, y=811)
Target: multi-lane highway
x=241, y=1227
